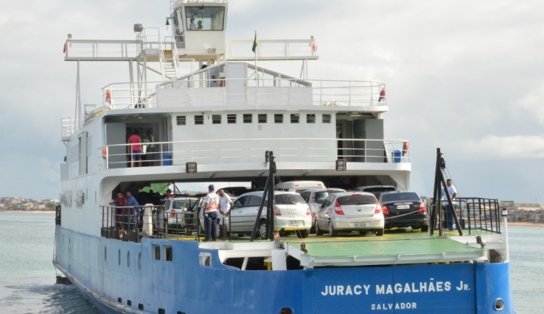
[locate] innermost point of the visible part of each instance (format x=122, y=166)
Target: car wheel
x=424, y=228
x=379, y=232
x=262, y=229
x=302, y=234
x=332, y=232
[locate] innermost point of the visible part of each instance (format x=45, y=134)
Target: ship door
x=360, y=138
x=116, y=134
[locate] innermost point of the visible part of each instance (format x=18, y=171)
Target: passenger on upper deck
x=135, y=149
x=199, y=25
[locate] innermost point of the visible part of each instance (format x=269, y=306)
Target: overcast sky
x=465, y=76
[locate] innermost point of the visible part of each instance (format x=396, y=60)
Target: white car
x=177, y=210
x=350, y=211
x=291, y=213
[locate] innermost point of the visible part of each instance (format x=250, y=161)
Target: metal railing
x=476, y=213
x=252, y=150
x=131, y=223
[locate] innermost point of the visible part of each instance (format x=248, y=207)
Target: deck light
x=191, y=167
x=138, y=28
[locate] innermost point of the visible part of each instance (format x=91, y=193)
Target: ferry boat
x=209, y=111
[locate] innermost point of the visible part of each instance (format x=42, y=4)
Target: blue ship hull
x=124, y=277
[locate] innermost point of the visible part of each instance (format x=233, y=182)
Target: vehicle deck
x=395, y=247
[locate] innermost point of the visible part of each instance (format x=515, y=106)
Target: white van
x=299, y=186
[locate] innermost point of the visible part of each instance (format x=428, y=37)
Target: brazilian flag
x=254, y=48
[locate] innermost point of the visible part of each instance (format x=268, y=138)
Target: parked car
x=404, y=209
x=377, y=190
x=291, y=213
x=348, y=211
x=177, y=210
x=299, y=186
x=316, y=197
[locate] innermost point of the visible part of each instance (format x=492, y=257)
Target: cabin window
x=181, y=120
x=295, y=118
x=216, y=119
x=327, y=118
x=199, y=119
x=168, y=253
x=156, y=252
x=205, y=259
x=310, y=118
x=262, y=118
x=200, y=18
x=248, y=117
x=278, y=118
x=231, y=118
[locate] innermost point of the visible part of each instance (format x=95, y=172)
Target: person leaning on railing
x=133, y=211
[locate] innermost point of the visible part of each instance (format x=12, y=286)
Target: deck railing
x=123, y=95
x=131, y=223
x=476, y=213
x=253, y=149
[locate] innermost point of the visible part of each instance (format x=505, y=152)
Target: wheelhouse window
x=203, y=18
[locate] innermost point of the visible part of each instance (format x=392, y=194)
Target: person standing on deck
x=133, y=212
x=135, y=149
x=225, y=204
x=211, y=205
x=452, y=191
x=120, y=214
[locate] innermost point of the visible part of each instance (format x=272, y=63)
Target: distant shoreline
x=525, y=224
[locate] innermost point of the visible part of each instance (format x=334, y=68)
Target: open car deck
x=346, y=252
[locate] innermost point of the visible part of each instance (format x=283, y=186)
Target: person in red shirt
x=135, y=150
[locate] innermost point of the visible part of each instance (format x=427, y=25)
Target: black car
x=404, y=209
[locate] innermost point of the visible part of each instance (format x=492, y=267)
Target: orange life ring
x=107, y=96
x=105, y=152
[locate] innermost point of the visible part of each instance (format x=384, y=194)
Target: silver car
x=316, y=197
x=177, y=210
x=350, y=211
x=291, y=213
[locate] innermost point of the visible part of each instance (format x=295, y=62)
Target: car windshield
x=356, y=199
x=288, y=199
x=320, y=197
x=401, y=196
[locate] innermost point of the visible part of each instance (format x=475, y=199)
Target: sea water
x=27, y=276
